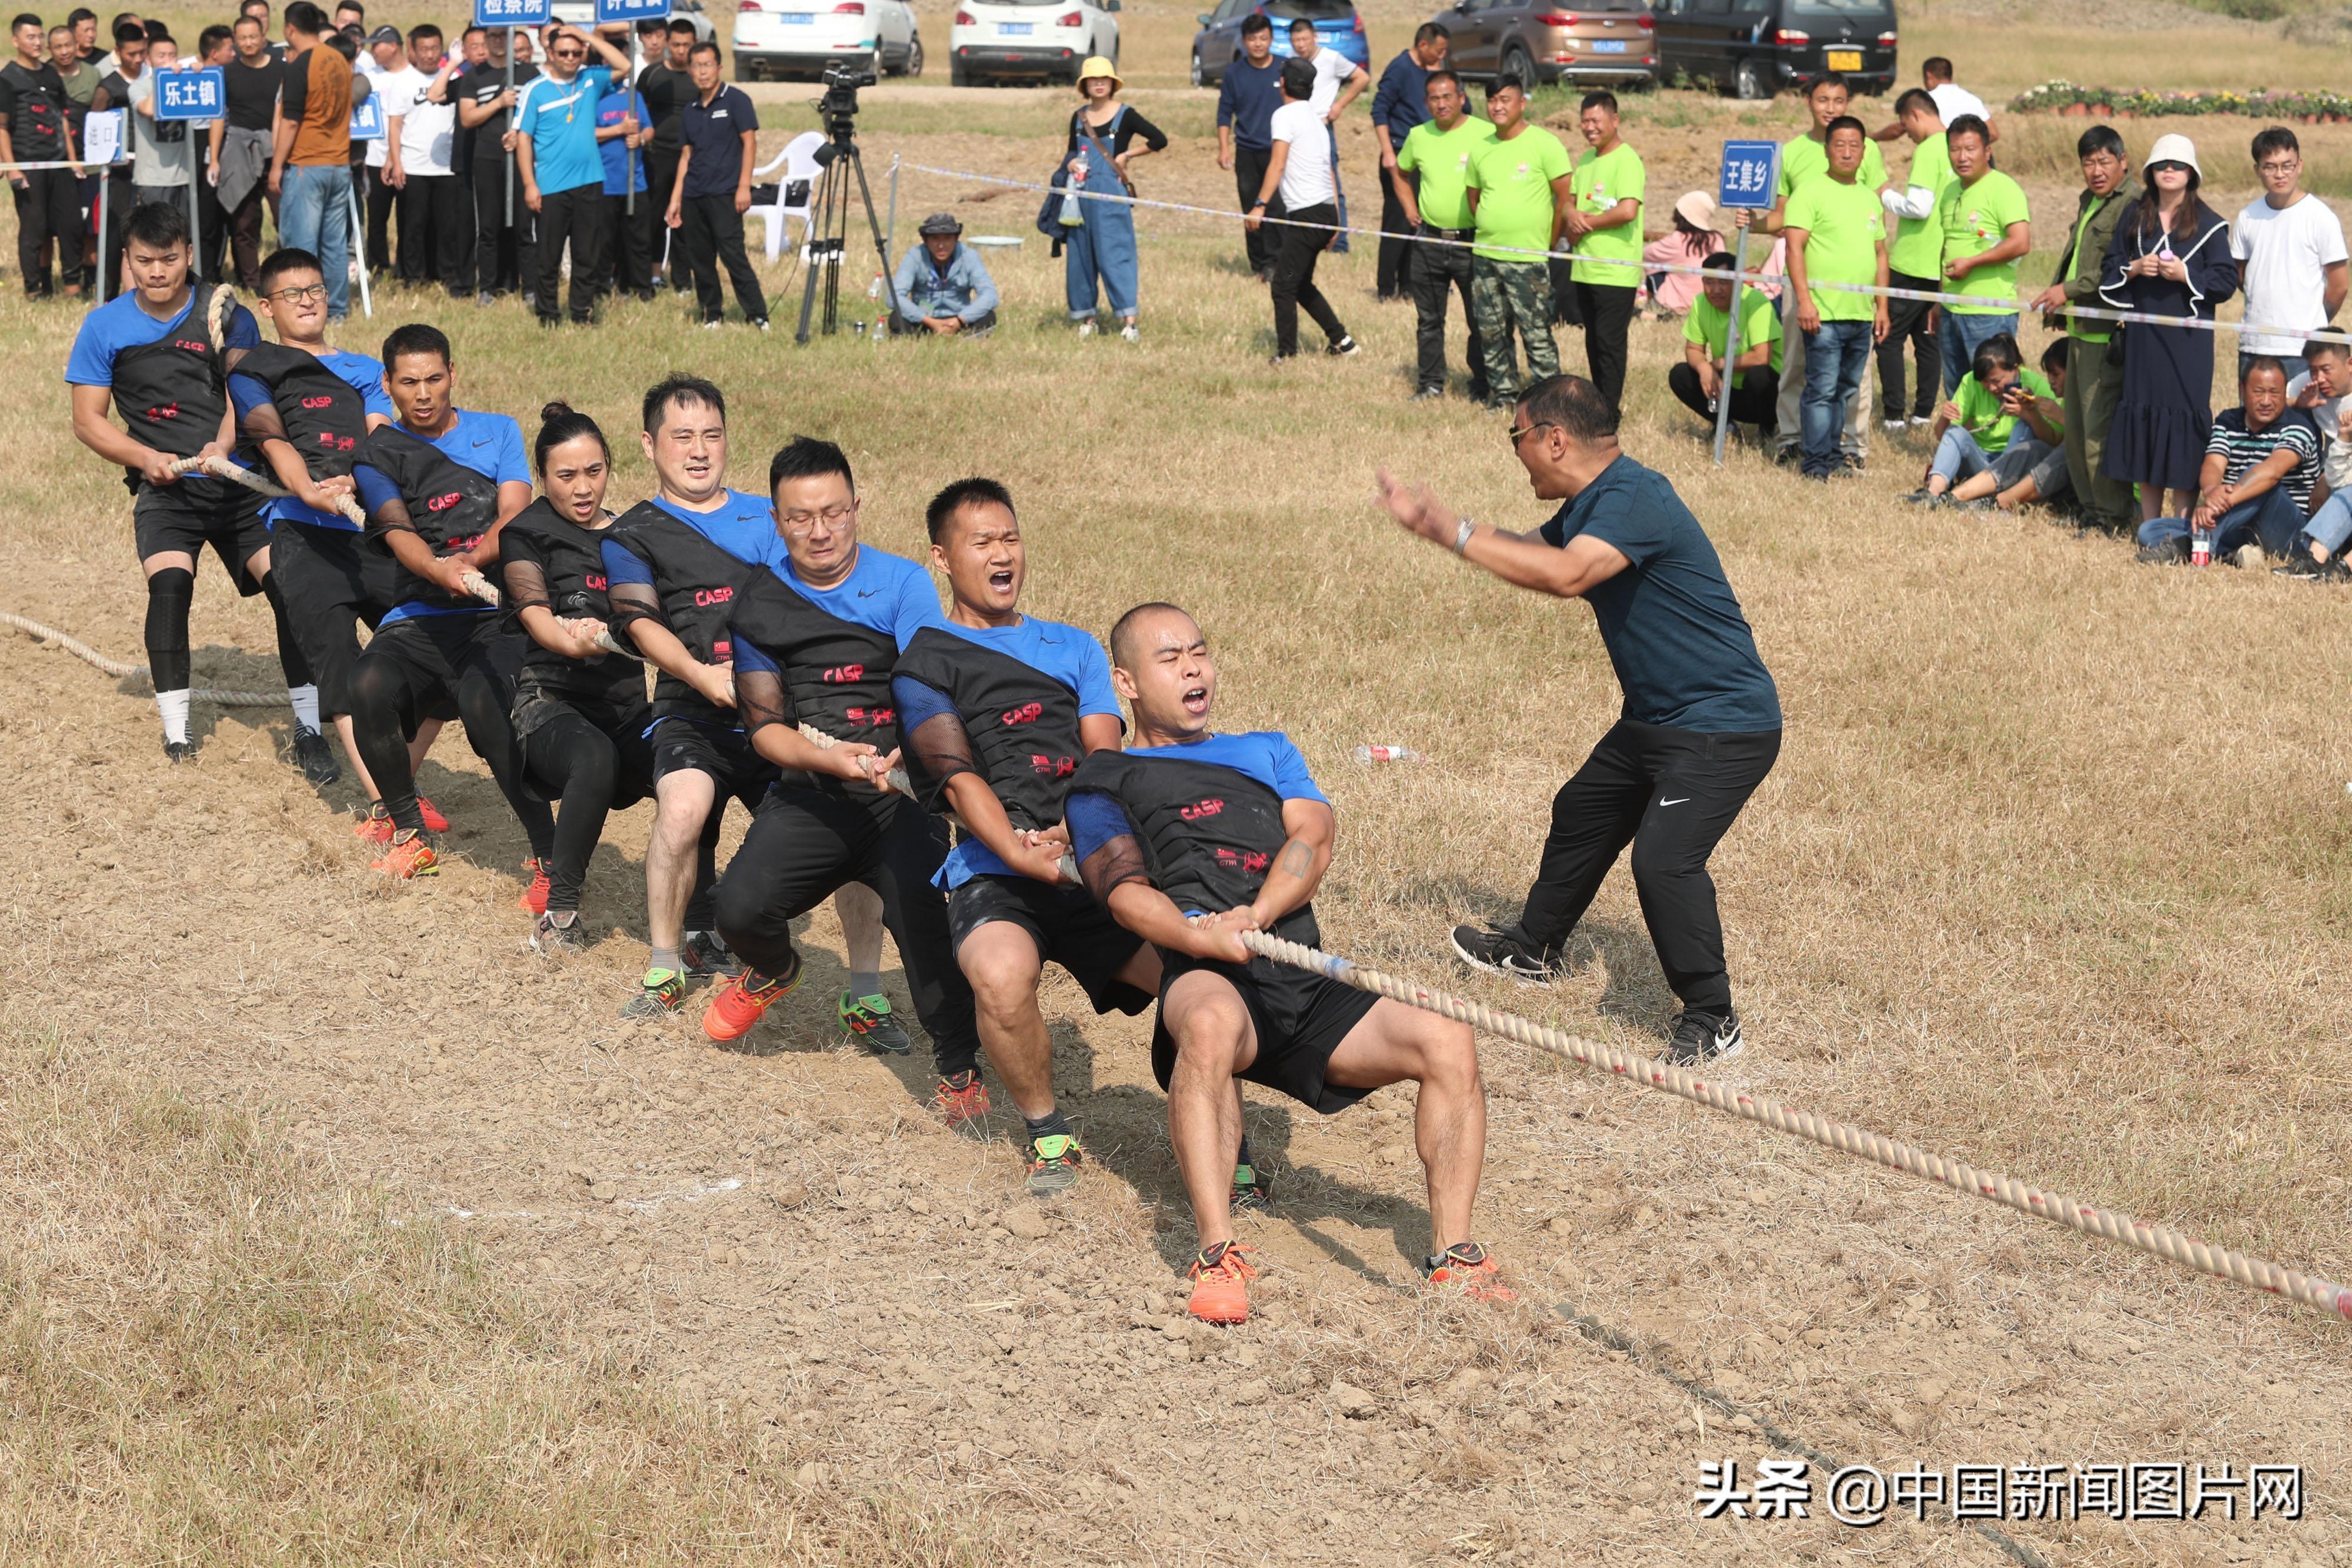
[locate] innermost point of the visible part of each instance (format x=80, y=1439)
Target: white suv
x=1029, y=40
x=799, y=38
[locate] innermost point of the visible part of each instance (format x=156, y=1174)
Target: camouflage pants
x=1507, y=294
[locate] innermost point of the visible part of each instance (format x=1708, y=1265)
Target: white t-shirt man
x=1332, y=70
x=1306, y=169
x=426, y=128
x=1953, y=100
x=2285, y=253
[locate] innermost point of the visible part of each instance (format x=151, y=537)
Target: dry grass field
x=334, y=1227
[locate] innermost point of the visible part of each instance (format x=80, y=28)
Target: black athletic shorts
x=1068, y=927
x=197, y=512
x=1301, y=1019
x=332, y=581
x=432, y=651
x=681, y=746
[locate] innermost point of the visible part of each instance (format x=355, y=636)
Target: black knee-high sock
x=290, y=651
x=170, y=593
x=378, y=693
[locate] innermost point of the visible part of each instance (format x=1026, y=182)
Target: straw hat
x=2173, y=147
x=1096, y=66
x=1696, y=208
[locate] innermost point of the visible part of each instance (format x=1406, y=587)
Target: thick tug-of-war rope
x=2162, y=1241
x=122, y=672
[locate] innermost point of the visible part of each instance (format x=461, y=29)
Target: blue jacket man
x=943, y=287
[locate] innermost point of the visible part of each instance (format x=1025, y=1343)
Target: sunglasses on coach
x=1521, y=432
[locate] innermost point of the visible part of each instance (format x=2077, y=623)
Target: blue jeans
x=314, y=213
x=1958, y=335
x=1836, y=357
x=2271, y=519
x=1958, y=456
x=2332, y=524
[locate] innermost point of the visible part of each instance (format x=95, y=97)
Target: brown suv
x=1533, y=41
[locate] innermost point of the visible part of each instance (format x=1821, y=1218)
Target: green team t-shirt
x=1759, y=318
x=1974, y=219
x=1601, y=182
x=1982, y=415
x=1804, y=158
x=1918, y=247
x=1513, y=180
x=1843, y=224
x=1442, y=158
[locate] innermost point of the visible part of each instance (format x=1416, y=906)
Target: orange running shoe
x=961, y=1099
x=1221, y=1278
x=434, y=820
x=534, y=897
x=376, y=826
x=409, y=856
x=742, y=1000
x=1466, y=1269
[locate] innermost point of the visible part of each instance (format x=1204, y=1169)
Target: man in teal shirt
x=1982, y=213
x=1431, y=179
x=560, y=167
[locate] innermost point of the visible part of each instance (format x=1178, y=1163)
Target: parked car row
x=1751, y=48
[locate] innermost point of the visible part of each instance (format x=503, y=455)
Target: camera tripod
x=828, y=230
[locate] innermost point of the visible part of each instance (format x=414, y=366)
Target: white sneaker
x=1129, y=333
x=1086, y=328
x=713, y=326
x=1895, y=424
x=1919, y=420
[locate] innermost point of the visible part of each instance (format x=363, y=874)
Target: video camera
x=837, y=110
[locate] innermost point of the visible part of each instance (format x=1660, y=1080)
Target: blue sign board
x=513, y=13
x=610, y=11
x=367, y=120
x=190, y=95
x=1752, y=172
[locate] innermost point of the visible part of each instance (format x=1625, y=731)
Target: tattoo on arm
x=1298, y=859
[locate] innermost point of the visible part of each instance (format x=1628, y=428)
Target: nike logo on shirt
x=1675, y=802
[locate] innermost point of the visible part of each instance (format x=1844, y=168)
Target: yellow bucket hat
x=1098, y=67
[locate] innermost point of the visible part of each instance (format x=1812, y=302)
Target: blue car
x=1219, y=42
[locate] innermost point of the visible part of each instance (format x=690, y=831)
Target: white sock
x=305, y=700
x=173, y=706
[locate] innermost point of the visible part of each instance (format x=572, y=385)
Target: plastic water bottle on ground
x=2201, y=546
x=1371, y=754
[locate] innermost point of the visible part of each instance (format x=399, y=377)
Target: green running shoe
x=1253, y=1191
x=661, y=993
x=867, y=1020
x=1054, y=1161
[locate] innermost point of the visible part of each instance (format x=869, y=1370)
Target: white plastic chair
x=798, y=161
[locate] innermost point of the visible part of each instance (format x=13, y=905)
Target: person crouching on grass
x=943, y=287
x=1190, y=838
x=1979, y=446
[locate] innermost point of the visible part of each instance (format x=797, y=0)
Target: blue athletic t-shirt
x=615, y=151
x=1266, y=755
x=1682, y=651
x=560, y=118
x=1066, y=653
x=883, y=592
x=120, y=324
x=488, y=443
x=743, y=526
x=363, y=376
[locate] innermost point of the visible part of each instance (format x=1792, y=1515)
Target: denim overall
x=1103, y=244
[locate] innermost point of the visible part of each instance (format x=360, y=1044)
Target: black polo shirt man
x=718, y=132
x=1701, y=725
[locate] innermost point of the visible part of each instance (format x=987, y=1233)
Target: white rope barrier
x=2091, y=312
x=2162, y=1241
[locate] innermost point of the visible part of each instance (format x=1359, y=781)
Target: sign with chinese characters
x=190, y=95
x=610, y=11
x=367, y=120
x=1750, y=170
x=102, y=136
x=513, y=13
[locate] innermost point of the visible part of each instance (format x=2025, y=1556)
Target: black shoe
x=705, y=953
x=559, y=934
x=1426, y=394
x=1701, y=1038
x=1506, y=953
x=1924, y=496
x=316, y=757
x=1788, y=455
x=1343, y=347
x=2166, y=553
x=1478, y=392
x=178, y=751
x=2305, y=569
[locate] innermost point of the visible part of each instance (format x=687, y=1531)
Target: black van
x=1755, y=48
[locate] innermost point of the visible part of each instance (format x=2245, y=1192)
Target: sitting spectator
x=943, y=287
x=1977, y=433
x=1756, y=374
x=2034, y=467
x=1688, y=244
x=2260, y=463
x=2321, y=392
